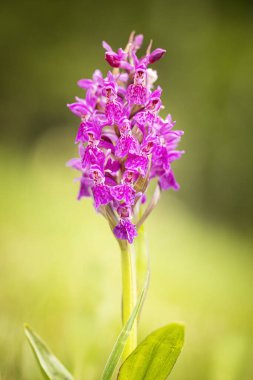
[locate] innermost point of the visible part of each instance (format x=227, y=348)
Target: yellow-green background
x=59, y=263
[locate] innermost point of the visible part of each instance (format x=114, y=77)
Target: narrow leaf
x=49, y=364
x=124, y=334
x=155, y=356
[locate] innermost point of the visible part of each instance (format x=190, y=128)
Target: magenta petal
x=79, y=109
x=113, y=112
x=85, y=83
x=75, y=163
x=80, y=137
x=168, y=181
x=125, y=230
x=160, y=157
x=137, y=163
x=137, y=94
x=106, y=46
x=112, y=58
x=126, y=144
x=84, y=190
x=101, y=194
x=123, y=192
x=93, y=156
x=156, y=55
x=112, y=166
x=175, y=155
x=138, y=40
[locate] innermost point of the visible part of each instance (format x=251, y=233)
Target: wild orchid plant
x=124, y=145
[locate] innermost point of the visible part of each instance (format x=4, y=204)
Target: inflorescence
x=123, y=142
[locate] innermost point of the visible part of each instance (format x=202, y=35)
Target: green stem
x=128, y=295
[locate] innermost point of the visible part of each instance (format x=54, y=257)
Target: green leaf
x=155, y=356
x=124, y=334
x=51, y=367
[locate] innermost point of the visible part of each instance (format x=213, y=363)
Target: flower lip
x=124, y=211
x=124, y=125
x=148, y=147
x=110, y=94
x=96, y=174
x=125, y=230
x=153, y=104
x=139, y=77
x=129, y=177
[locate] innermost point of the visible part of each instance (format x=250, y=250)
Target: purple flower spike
x=123, y=141
x=125, y=230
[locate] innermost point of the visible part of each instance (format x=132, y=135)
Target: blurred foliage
x=207, y=78
x=53, y=274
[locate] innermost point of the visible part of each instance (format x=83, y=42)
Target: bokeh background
x=59, y=264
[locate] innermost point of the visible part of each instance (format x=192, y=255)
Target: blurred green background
x=59, y=264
